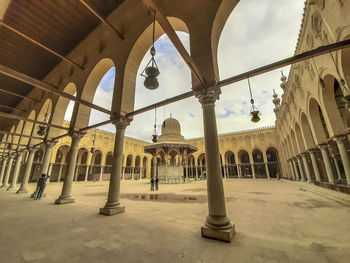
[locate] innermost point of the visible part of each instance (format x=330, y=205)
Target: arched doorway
x=201, y=168
x=231, y=167
x=137, y=168
x=273, y=163
x=259, y=165
x=245, y=167
x=144, y=167
x=128, y=167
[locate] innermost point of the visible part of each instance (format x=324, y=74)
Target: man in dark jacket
x=41, y=185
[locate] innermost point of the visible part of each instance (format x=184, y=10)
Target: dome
x=171, y=131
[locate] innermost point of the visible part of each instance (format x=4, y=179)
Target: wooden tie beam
x=16, y=117
x=47, y=87
x=170, y=32
x=99, y=17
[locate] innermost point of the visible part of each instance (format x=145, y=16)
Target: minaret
x=284, y=82
x=277, y=101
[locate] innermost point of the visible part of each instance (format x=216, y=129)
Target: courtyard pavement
x=276, y=221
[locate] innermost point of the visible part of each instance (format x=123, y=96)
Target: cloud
x=256, y=33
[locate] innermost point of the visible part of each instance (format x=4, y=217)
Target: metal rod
x=18, y=95
x=2, y=23
x=16, y=134
x=286, y=62
x=48, y=87
x=11, y=108
x=12, y=116
x=99, y=17
x=282, y=63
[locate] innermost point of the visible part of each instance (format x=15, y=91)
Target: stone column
x=86, y=173
x=267, y=170
x=113, y=206
x=23, y=189
x=16, y=171
x=76, y=172
x=66, y=196
x=7, y=173
x=253, y=170
x=59, y=173
x=292, y=169
x=296, y=170
x=4, y=162
x=217, y=224
x=337, y=168
x=47, y=157
x=327, y=163
x=344, y=156
x=314, y=165
x=101, y=173
x=301, y=169
x=307, y=168
x=239, y=171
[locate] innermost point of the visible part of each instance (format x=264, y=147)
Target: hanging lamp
x=254, y=112
x=151, y=71
x=42, y=129
x=92, y=149
x=155, y=134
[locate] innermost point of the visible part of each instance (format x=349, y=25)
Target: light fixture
x=254, y=112
x=155, y=134
x=151, y=71
x=42, y=129
x=92, y=149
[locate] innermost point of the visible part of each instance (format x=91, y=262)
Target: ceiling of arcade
x=59, y=42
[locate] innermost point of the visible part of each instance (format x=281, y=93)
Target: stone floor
x=276, y=221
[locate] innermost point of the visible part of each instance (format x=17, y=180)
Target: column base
x=222, y=235
x=4, y=187
x=25, y=191
x=11, y=189
x=110, y=211
x=64, y=200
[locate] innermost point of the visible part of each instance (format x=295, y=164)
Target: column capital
x=50, y=144
x=340, y=138
x=121, y=124
x=323, y=146
x=312, y=151
x=76, y=133
x=304, y=154
x=206, y=98
x=20, y=154
x=33, y=149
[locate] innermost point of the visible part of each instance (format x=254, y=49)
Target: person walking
x=42, y=184
x=157, y=181
x=152, y=184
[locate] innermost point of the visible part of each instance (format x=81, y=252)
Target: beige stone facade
x=313, y=120
x=239, y=151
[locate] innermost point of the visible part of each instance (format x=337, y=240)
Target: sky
x=257, y=33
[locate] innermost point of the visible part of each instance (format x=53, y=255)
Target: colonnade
x=312, y=164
